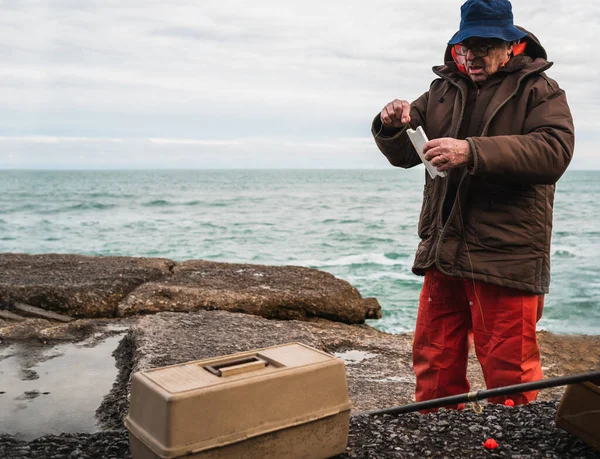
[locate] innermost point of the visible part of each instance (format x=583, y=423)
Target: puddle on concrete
x=352, y=357
x=54, y=389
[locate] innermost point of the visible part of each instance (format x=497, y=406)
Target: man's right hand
x=395, y=114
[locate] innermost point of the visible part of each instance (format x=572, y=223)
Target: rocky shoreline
x=379, y=370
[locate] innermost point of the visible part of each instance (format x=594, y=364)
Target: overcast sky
x=257, y=84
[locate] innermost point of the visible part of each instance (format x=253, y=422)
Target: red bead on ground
x=490, y=443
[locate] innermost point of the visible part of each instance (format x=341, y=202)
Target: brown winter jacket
x=497, y=222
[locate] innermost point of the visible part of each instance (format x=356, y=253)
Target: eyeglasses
x=478, y=50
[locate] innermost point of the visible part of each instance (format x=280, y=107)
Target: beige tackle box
x=579, y=412
x=288, y=401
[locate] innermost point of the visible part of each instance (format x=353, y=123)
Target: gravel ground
x=112, y=444
x=522, y=433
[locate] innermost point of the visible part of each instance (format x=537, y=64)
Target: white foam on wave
x=403, y=276
x=564, y=251
x=362, y=259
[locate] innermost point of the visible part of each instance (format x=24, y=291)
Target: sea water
x=358, y=225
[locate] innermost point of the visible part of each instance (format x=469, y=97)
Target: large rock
x=274, y=292
x=77, y=285
x=95, y=287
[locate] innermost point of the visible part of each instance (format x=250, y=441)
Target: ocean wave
x=211, y=225
x=72, y=208
x=563, y=252
x=157, y=203
x=405, y=277
x=341, y=221
x=99, y=195
x=370, y=241
x=17, y=209
x=193, y=203
x=353, y=260
x=89, y=206
x=219, y=203
x=326, y=245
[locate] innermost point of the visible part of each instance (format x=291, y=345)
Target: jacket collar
x=521, y=65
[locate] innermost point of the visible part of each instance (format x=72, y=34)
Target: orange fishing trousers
x=501, y=322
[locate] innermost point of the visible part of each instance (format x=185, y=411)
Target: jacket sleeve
x=394, y=143
x=539, y=156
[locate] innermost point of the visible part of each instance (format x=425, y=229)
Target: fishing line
x=577, y=415
x=462, y=223
x=380, y=129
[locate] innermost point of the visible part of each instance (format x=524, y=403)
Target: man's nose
x=470, y=56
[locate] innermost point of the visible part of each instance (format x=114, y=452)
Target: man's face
x=479, y=68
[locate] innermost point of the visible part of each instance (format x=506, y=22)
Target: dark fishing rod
x=484, y=394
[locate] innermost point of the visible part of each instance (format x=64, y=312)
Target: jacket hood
x=534, y=48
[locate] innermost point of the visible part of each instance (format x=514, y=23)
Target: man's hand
x=395, y=114
x=448, y=153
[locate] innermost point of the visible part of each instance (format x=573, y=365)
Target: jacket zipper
x=465, y=172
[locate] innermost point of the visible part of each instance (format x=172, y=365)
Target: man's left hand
x=448, y=153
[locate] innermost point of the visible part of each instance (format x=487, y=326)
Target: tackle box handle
x=237, y=366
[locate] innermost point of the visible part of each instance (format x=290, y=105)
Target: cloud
x=53, y=140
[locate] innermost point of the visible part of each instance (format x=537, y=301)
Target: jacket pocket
x=504, y=220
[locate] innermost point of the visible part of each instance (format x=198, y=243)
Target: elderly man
x=503, y=132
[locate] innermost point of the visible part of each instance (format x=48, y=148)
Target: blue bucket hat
x=487, y=19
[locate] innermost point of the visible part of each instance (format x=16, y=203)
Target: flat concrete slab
x=378, y=365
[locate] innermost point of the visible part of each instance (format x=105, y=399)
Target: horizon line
x=141, y=169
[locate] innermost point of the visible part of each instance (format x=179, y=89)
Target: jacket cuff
x=475, y=167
